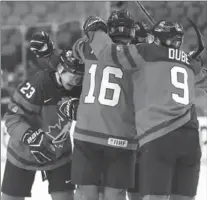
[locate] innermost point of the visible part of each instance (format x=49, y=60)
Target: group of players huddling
x=131, y=91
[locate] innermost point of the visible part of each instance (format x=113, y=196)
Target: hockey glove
x=41, y=44
x=94, y=23
x=41, y=148
x=69, y=107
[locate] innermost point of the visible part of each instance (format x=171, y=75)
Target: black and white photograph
x=103, y=100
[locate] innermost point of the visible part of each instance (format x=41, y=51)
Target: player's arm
x=201, y=89
x=124, y=56
x=25, y=106
x=78, y=47
x=96, y=31
x=201, y=80
x=43, y=48
x=128, y=57
x=25, y=103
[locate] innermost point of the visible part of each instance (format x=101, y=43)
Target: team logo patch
x=117, y=142
x=15, y=109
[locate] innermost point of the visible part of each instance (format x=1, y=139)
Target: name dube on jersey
x=179, y=55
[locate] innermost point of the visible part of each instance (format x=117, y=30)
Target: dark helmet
x=71, y=64
x=121, y=24
x=170, y=34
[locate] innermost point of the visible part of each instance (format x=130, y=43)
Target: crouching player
x=38, y=129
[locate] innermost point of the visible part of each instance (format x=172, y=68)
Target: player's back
x=163, y=91
x=106, y=111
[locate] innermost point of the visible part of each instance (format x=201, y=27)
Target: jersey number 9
x=180, y=85
x=105, y=84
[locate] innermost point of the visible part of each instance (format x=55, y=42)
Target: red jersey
x=106, y=111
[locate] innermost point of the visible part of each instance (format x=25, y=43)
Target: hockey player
x=145, y=36
x=39, y=130
x=166, y=120
x=105, y=140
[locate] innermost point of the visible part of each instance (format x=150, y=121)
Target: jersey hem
x=154, y=135
x=110, y=141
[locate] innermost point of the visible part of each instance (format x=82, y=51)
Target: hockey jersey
x=164, y=90
x=201, y=92
x=106, y=111
x=35, y=104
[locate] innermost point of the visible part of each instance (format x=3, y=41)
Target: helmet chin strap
x=58, y=78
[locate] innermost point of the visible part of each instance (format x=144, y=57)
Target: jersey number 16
x=105, y=84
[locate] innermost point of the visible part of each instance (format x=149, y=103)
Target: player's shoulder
x=35, y=84
x=45, y=76
x=83, y=45
x=78, y=44
x=156, y=53
x=152, y=52
x=88, y=52
x=81, y=41
x=29, y=94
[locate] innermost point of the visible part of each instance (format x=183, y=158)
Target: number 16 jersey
x=106, y=112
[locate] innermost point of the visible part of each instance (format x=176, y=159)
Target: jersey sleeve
x=78, y=48
x=98, y=41
x=123, y=56
x=25, y=105
x=201, y=80
x=50, y=62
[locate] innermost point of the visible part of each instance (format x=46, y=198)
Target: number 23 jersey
x=106, y=112
x=35, y=103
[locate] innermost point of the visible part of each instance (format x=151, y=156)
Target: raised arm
x=123, y=56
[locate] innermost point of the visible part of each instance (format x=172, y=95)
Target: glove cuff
x=46, y=53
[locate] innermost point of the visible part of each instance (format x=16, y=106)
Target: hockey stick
x=138, y=3
x=200, y=48
x=200, y=42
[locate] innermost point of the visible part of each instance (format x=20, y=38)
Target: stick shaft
x=139, y=4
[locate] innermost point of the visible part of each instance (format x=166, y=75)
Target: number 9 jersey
x=168, y=88
x=106, y=112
